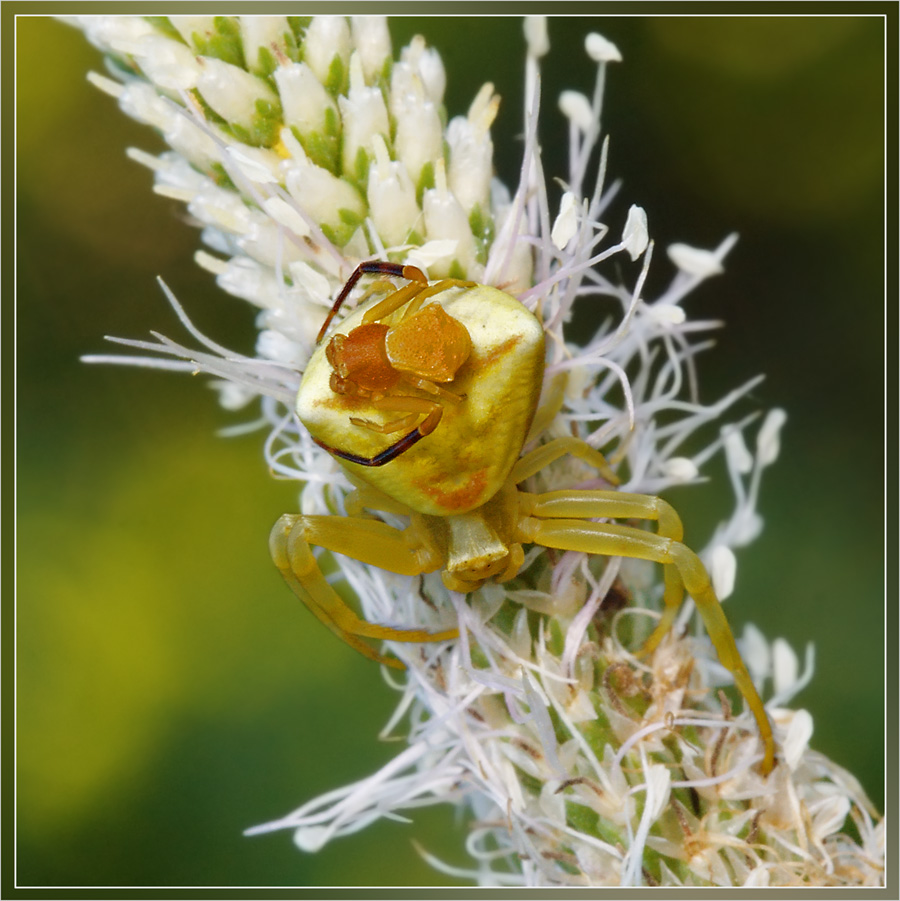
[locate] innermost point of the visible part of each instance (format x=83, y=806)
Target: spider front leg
x=401, y=445
x=368, y=540
x=375, y=267
x=566, y=527
x=543, y=455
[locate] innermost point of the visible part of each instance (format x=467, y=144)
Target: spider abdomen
x=468, y=457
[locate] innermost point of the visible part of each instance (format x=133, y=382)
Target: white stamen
x=797, y=739
x=723, y=569
x=694, y=261
x=535, y=28
x=566, y=224
x=601, y=50
x=576, y=107
x=680, y=469
x=739, y=458
x=768, y=439
x=634, y=235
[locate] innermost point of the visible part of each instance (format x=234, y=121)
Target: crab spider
x=464, y=363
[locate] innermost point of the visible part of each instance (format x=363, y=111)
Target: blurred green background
x=171, y=692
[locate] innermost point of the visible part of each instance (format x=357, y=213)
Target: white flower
x=302, y=150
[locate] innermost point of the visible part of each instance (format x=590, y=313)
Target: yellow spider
x=456, y=369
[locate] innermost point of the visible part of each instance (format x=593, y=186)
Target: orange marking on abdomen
x=458, y=499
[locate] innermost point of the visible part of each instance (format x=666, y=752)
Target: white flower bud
x=186, y=137
x=108, y=86
x=140, y=101
x=207, y=261
x=520, y=636
x=303, y=99
x=326, y=38
x=419, y=138
x=223, y=209
x=363, y=115
x=392, y=197
x=121, y=34
x=232, y=92
x=471, y=151
x=169, y=65
x=188, y=26
x=173, y=171
x=446, y=219
x=217, y=240
x=263, y=33
x=321, y=195
x=419, y=63
x=372, y=40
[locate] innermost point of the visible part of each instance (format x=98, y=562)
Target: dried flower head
x=301, y=147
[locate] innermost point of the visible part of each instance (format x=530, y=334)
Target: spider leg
x=367, y=497
x=436, y=288
x=368, y=540
x=431, y=388
x=620, y=505
x=396, y=425
x=373, y=266
x=401, y=445
x=415, y=294
x=546, y=412
x=393, y=302
x=533, y=461
x=616, y=540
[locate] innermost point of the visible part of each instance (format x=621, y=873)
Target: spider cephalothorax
x=401, y=367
